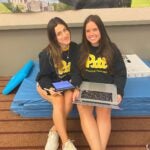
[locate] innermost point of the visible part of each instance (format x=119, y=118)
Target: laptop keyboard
x=96, y=95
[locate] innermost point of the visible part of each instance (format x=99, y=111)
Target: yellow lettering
x=90, y=61
x=65, y=68
x=99, y=63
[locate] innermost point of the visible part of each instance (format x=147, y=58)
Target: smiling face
x=93, y=34
x=62, y=35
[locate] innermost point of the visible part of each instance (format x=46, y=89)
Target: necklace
x=66, y=49
x=68, y=54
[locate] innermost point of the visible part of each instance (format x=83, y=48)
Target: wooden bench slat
x=79, y=148
x=39, y=139
x=1, y=88
x=137, y=123
x=4, y=78
x=22, y=148
x=37, y=148
x=6, y=97
x=129, y=138
x=34, y=139
x=3, y=83
x=37, y=125
x=8, y=115
x=127, y=148
x=5, y=105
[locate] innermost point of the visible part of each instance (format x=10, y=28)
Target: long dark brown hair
x=54, y=48
x=105, y=45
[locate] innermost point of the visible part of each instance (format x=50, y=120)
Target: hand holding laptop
x=76, y=94
x=97, y=94
x=119, y=99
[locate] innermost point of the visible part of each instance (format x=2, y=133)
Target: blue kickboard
x=18, y=77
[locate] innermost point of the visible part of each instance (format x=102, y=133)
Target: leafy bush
x=61, y=6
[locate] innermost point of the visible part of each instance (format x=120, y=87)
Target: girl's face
x=62, y=35
x=93, y=34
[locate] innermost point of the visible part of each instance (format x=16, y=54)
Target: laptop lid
x=98, y=94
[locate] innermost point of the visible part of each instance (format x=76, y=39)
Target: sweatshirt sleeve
x=120, y=75
x=76, y=78
x=44, y=75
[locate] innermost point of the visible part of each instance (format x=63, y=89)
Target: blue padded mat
x=36, y=113
x=28, y=103
x=27, y=93
x=136, y=100
x=137, y=88
x=33, y=73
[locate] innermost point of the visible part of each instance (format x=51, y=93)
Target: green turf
x=4, y=9
x=140, y=3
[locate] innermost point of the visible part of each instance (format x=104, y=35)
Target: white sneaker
x=69, y=146
x=52, y=141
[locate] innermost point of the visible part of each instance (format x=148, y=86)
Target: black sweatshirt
x=96, y=70
x=48, y=73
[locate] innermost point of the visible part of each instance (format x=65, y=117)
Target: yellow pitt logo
x=97, y=63
x=65, y=68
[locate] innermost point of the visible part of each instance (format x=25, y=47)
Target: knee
x=68, y=92
x=68, y=96
x=80, y=108
x=85, y=110
x=104, y=113
x=58, y=103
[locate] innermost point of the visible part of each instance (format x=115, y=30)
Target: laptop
x=98, y=94
x=62, y=85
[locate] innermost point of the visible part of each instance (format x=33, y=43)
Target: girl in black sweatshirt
x=99, y=61
x=55, y=63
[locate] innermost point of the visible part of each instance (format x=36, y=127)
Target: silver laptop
x=98, y=94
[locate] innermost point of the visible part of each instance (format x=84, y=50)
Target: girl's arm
x=44, y=75
x=120, y=75
x=76, y=78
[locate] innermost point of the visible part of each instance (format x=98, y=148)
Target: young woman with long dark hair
x=99, y=61
x=55, y=63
